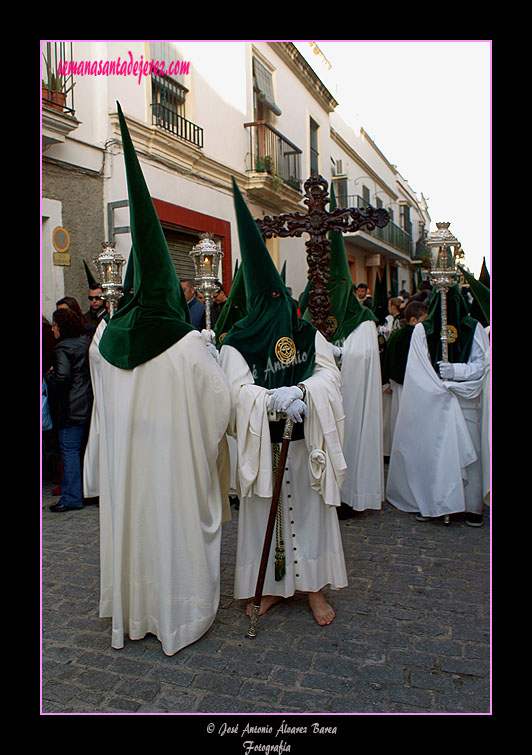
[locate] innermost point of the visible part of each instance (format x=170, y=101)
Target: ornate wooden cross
x=317, y=223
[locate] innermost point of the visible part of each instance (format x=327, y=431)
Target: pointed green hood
x=272, y=314
x=234, y=309
x=484, y=276
x=91, y=280
x=457, y=316
x=346, y=308
x=157, y=315
x=480, y=309
x=380, y=298
x=127, y=285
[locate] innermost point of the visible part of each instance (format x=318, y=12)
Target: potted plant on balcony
x=55, y=90
x=264, y=164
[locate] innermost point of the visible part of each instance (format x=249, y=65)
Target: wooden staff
x=287, y=435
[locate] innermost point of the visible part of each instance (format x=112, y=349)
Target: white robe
x=390, y=410
x=91, y=465
x=362, y=398
x=435, y=467
x=163, y=479
x=313, y=476
x=486, y=433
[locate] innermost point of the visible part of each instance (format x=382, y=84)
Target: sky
x=427, y=106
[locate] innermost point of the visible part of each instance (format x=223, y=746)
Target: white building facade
x=253, y=111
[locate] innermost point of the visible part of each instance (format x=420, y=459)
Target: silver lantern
x=444, y=250
x=109, y=264
x=207, y=255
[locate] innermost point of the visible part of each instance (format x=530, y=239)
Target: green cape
x=346, y=308
x=157, y=315
x=271, y=315
x=458, y=317
x=396, y=355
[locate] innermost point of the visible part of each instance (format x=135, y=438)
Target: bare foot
x=323, y=612
x=267, y=602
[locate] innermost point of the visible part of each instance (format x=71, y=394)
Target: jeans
x=71, y=442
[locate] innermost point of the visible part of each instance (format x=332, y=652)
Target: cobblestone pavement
x=411, y=634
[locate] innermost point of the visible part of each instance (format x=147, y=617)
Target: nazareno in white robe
x=363, y=439
x=486, y=431
x=163, y=479
x=313, y=476
x=435, y=464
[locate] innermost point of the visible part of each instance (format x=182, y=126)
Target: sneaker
x=474, y=520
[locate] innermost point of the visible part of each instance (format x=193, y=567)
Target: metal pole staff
x=287, y=435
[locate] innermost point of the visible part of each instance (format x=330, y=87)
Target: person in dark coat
x=70, y=395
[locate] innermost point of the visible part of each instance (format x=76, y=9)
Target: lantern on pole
x=207, y=255
x=109, y=264
x=444, y=250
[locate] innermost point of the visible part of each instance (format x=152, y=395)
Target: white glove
x=281, y=398
x=446, y=370
x=337, y=351
x=213, y=351
x=209, y=336
x=297, y=410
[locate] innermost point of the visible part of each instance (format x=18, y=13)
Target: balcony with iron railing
x=272, y=153
x=391, y=234
x=168, y=119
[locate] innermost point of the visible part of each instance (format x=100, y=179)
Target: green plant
x=56, y=82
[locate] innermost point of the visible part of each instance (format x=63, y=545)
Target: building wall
x=86, y=173
x=79, y=194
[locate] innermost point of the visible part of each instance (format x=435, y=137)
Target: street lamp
x=444, y=250
x=206, y=256
x=109, y=264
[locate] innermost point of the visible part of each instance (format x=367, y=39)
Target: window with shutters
x=406, y=224
x=263, y=97
x=314, y=152
x=340, y=191
x=168, y=99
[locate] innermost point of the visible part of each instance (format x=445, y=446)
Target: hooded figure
x=276, y=362
x=234, y=308
x=91, y=465
x=355, y=339
x=435, y=462
x=162, y=411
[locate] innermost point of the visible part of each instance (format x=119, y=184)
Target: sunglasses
x=94, y=298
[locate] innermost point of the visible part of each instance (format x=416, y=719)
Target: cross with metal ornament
x=317, y=223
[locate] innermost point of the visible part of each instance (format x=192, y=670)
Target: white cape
x=362, y=399
x=486, y=433
x=162, y=474
x=434, y=464
x=314, y=473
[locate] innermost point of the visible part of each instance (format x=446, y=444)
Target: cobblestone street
x=411, y=634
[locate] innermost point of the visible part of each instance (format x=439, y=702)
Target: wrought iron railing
x=176, y=124
x=271, y=152
x=391, y=234
x=57, y=77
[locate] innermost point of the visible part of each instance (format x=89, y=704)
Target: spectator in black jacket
x=70, y=390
